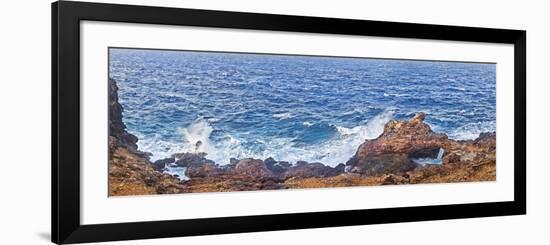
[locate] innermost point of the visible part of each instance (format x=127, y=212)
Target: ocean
x=291, y=108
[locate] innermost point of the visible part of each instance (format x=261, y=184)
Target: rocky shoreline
x=386, y=160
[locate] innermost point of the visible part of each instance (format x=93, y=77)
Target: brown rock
x=253, y=168
x=310, y=170
x=130, y=171
x=191, y=159
x=160, y=164
x=131, y=174
x=392, y=151
x=384, y=164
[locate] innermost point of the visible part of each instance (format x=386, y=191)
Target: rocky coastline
x=389, y=159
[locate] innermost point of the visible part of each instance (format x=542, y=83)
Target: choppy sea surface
x=317, y=109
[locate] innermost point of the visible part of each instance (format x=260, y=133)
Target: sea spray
x=471, y=131
x=372, y=129
x=196, y=137
x=375, y=126
x=336, y=150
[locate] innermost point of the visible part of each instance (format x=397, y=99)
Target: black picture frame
x=66, y=17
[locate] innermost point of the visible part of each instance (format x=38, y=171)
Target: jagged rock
x=271, y=184
x=480, y=150
x=269, y=162
x=284, y=164
x=387, y=161
x=451, y=158
x=381, y=161
x=117, y=129
x=151, y=180
x=204, y=170
x=340, y=168
x=393, y=150
x=254, y=168
x=233, y=161
x=130, y=171
x=310, y=170
x=391, y=179
x=131, y=174
x=191, y=159
x=487, y=141
x=159, y=164
x=198, y=166
x=382, y=164
x=277, y=168
x=301, y=163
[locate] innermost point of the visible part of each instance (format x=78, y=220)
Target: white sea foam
x=213, y=120
x=197, y=135
x=307, y=124
x=394, y=95
x=176, y=171
x=283, y=116
x=376, y=125
x=332, y=152
x=158, y=147
x=372, y=129
x=472, y=130
x=349, y=131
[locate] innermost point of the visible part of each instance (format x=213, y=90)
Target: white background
x=96, y=37
x=25, y=124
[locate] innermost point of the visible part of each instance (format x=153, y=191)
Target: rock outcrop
x=313, y=170
x=245, y=174
x=395, y=149
x=253, y=168
x=132, y=174
x=117, y=129
x=161, y=164
x=386, y=160
x=130, y=171
x=393, y=153
x=463, y=161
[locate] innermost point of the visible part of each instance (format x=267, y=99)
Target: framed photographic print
x=176, y=122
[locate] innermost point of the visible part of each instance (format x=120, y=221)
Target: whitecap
x=348, y=131
x=394, y=95
x=471, y=131
x=283, y=116
x=376, y=124
x=213, y=120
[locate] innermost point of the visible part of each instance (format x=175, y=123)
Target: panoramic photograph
x=204, y=121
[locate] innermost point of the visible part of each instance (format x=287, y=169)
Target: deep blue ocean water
x=291, y=107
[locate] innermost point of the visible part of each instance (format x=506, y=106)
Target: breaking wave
x=339, y=148
x=471, y=131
